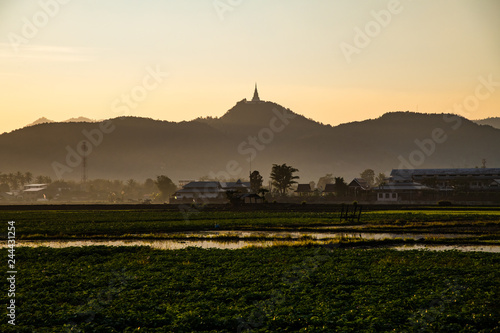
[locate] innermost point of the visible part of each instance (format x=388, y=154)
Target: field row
x=64, y=224
x=105, y=289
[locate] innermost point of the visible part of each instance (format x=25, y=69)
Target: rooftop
x=408, y=173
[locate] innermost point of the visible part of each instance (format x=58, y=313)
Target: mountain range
x=493, y=121
x=44, y=120
x=251, y=135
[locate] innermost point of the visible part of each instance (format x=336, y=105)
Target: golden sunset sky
x=332, y=61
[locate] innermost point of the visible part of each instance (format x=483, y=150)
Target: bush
x=303, y=203
x=444, y=203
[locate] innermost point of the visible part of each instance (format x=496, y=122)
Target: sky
x=332, y=61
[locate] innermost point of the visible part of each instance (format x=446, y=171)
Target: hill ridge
x=266, y=132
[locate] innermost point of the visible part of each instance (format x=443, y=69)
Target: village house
x=34, y=192
x=431, y=184
x=303, y=189
x=210, y=191
x=358, y=187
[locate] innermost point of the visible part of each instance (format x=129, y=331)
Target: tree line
x=16, y=180
x=283, y=178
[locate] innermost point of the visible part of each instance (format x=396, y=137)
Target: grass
x=137, y=223
x=302, y=284
x=300, y=288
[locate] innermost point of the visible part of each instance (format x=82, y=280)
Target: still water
x=323, y=235
x=233, y=245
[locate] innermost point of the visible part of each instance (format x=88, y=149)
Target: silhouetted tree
x=255, y=181
x=369, y=176
x=20, y=178
x=131, y=183
x=13, y=181
x=380, y=179
x=149, y=185
x=328, y=179
x=234, y=197
x=283, y=178
x=4, y=187
x=3, y=178
x=28, y=177
x=341, y=186
x=166, y=186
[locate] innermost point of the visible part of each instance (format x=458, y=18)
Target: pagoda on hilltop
x=256, y=98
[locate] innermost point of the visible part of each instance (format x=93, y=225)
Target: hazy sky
x=69, y=58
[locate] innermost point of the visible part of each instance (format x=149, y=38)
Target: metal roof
x=34, y=189
x=202, y=184
x=401, y=187
x=408, y=173
x=361, y=182
x=238, y=184
x=304, y=188
x=329, y=188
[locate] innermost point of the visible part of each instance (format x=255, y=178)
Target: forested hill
x=139, y=148
x=493, y=121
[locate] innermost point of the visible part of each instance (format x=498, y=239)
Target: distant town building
x=210, y=191
x=358, y=186
x=304, y=189
x=329, y=188
x=34, y=191
x=428, y=184
x=401, y=191
x=472, y=178
x=200, y=190
x=183, y=182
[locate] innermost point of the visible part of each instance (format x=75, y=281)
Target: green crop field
x=115, y=223
x=307, y=289
x=342, y=285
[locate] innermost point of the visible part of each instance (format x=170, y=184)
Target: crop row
x=105, y=222
x=317, y=289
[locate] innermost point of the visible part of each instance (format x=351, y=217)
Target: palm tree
x=282, y=177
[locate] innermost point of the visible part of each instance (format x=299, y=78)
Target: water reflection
x=463, y=248
x=323, y=235
x=231, y=245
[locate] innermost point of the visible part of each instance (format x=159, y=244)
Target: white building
x=34, y=191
